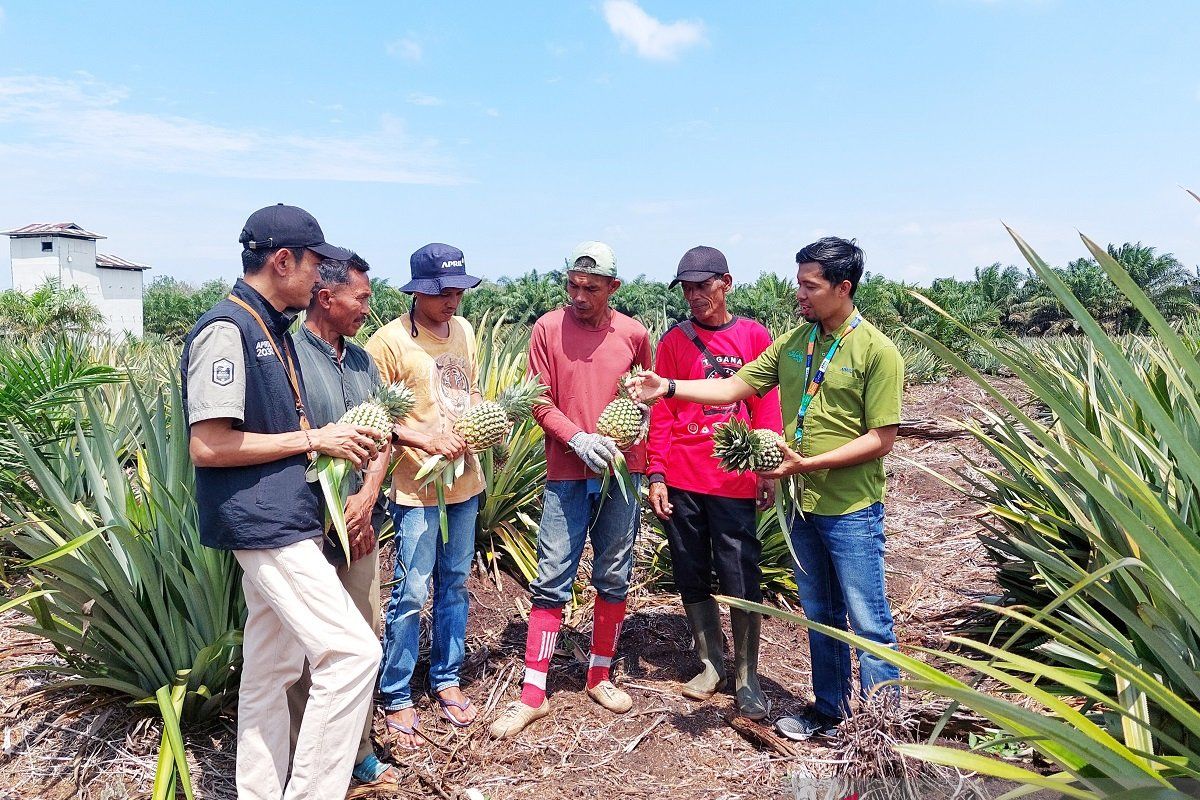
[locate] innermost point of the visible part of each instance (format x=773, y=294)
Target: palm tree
x=1168, y=283
x=49, y=309
x=999, y=287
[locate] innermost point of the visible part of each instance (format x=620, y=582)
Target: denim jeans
x=421, y=556
x=569, y=517
x=840, y=576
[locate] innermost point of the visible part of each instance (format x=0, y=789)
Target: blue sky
x=514, y=130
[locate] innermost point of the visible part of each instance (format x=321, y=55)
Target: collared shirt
x=863, y=389
x=333, y=385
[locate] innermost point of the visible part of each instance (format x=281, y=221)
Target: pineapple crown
x=395, y=398
x=517, y=400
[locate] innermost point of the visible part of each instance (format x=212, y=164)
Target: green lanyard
x=814, y=385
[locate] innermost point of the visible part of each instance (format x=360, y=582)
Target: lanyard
x=288, y=363
x=814, y=385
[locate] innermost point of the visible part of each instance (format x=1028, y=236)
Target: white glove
x=595, y=451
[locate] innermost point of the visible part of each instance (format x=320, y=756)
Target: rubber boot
x=705, y=621
x=751, y=702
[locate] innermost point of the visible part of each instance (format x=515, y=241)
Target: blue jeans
x=420, y=556
x=840, y=577
x=569, y=516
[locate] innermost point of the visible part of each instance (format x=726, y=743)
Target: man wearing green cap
x=581, y=353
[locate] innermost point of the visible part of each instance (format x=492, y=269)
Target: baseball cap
x=279, y=226
x=436, y=267
x=602, y=254
x=700, y=264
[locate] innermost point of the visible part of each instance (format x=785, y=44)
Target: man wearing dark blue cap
x=251, y=442
x=433, y=351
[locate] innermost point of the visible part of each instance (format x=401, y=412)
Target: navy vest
x=264, y=505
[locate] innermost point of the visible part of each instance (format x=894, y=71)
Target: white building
x=65, y=252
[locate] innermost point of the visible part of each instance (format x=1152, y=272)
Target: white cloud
x=82, y=121
x=419, y=99
x=492, y=112
x=650, y=37
x=406, y=48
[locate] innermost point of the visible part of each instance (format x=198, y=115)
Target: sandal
x=445, y=705
x=415, y=730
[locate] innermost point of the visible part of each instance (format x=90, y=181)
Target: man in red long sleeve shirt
x=581, y=353
x=708, y=513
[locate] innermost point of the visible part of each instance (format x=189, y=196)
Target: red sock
x=606, y=627
x=539, y=648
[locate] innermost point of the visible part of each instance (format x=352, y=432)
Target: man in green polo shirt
x=841, y=383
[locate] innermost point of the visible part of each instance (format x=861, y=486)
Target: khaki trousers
x=360, y=579
x=297, y=610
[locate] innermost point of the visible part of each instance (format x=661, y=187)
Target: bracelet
x=670, y=388
x=307, y=439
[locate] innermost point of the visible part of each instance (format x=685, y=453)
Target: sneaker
x=608, y=695
x=515, y=718
x=806, y=725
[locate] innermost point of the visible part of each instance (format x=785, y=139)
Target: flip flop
x=404, y=729
x=445, y=706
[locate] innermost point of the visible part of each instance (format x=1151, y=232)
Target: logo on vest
x=263, y=349
x=222, y=372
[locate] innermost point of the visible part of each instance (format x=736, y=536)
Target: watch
x=670, y=388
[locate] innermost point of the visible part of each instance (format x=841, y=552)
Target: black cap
x=436, y=267
x=279, y=226
x=700, y=264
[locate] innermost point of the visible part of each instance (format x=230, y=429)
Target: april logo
x=263, y=348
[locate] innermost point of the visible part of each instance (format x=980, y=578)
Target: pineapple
x=623, y=420
x=741, y=448
x=390, y=403
x=766, y=449
x=484, y=425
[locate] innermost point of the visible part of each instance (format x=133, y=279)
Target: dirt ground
x=74, y=745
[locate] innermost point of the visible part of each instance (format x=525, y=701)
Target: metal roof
x=106, y=261
x=69, y=229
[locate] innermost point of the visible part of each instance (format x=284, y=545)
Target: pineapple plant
x=740, y=447
x=485, y=425
x=624, y=420
x=389, y=404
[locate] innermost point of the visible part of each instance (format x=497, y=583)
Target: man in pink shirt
x=581, y=353
x=708, y=513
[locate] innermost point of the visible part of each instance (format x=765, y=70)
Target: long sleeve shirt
x=681, y=432
x=581, y=367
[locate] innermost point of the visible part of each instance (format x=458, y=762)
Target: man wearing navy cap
x=433, y=351
x=251, y=442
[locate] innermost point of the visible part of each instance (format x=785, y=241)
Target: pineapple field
x=1043, y=564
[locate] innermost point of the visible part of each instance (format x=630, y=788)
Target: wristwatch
x=670, y=388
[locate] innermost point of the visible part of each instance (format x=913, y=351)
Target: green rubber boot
x=705, y=621
x=751, y=702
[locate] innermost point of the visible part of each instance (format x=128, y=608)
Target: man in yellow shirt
x=433, y=352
